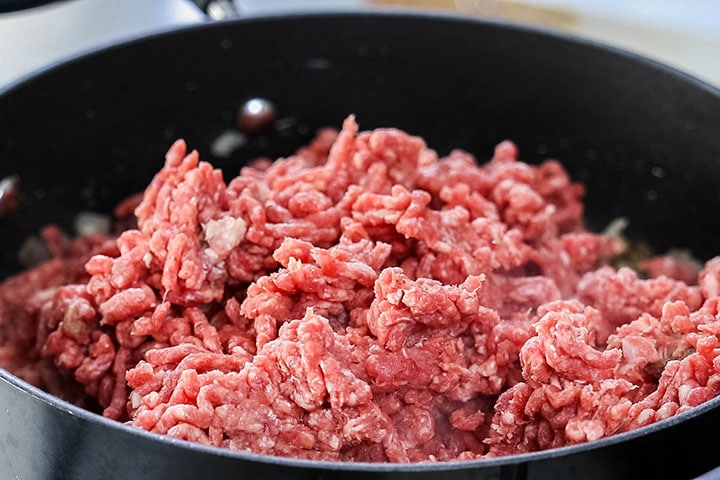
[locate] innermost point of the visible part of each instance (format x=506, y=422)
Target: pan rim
x=382, y=12
x=387, y=467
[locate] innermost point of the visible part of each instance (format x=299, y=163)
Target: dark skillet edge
x=524, y=458
x=366, y=13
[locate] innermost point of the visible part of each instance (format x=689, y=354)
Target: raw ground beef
x=364, y=300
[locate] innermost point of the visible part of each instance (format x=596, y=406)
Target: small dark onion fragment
x=9, y=195
x=256, y=117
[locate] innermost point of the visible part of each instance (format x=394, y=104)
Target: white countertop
x=33, y=38
x=30, y=39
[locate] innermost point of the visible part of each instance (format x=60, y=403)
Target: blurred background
x=681, y=33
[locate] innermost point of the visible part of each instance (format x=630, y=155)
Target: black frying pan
x=84, y=134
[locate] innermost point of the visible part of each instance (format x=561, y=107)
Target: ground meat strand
x=364, y=300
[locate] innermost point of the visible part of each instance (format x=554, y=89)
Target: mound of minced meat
x=364, y=300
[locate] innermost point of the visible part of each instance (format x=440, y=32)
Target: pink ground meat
x=364, y=300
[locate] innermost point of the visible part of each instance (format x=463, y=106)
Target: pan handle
x=218, y=9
